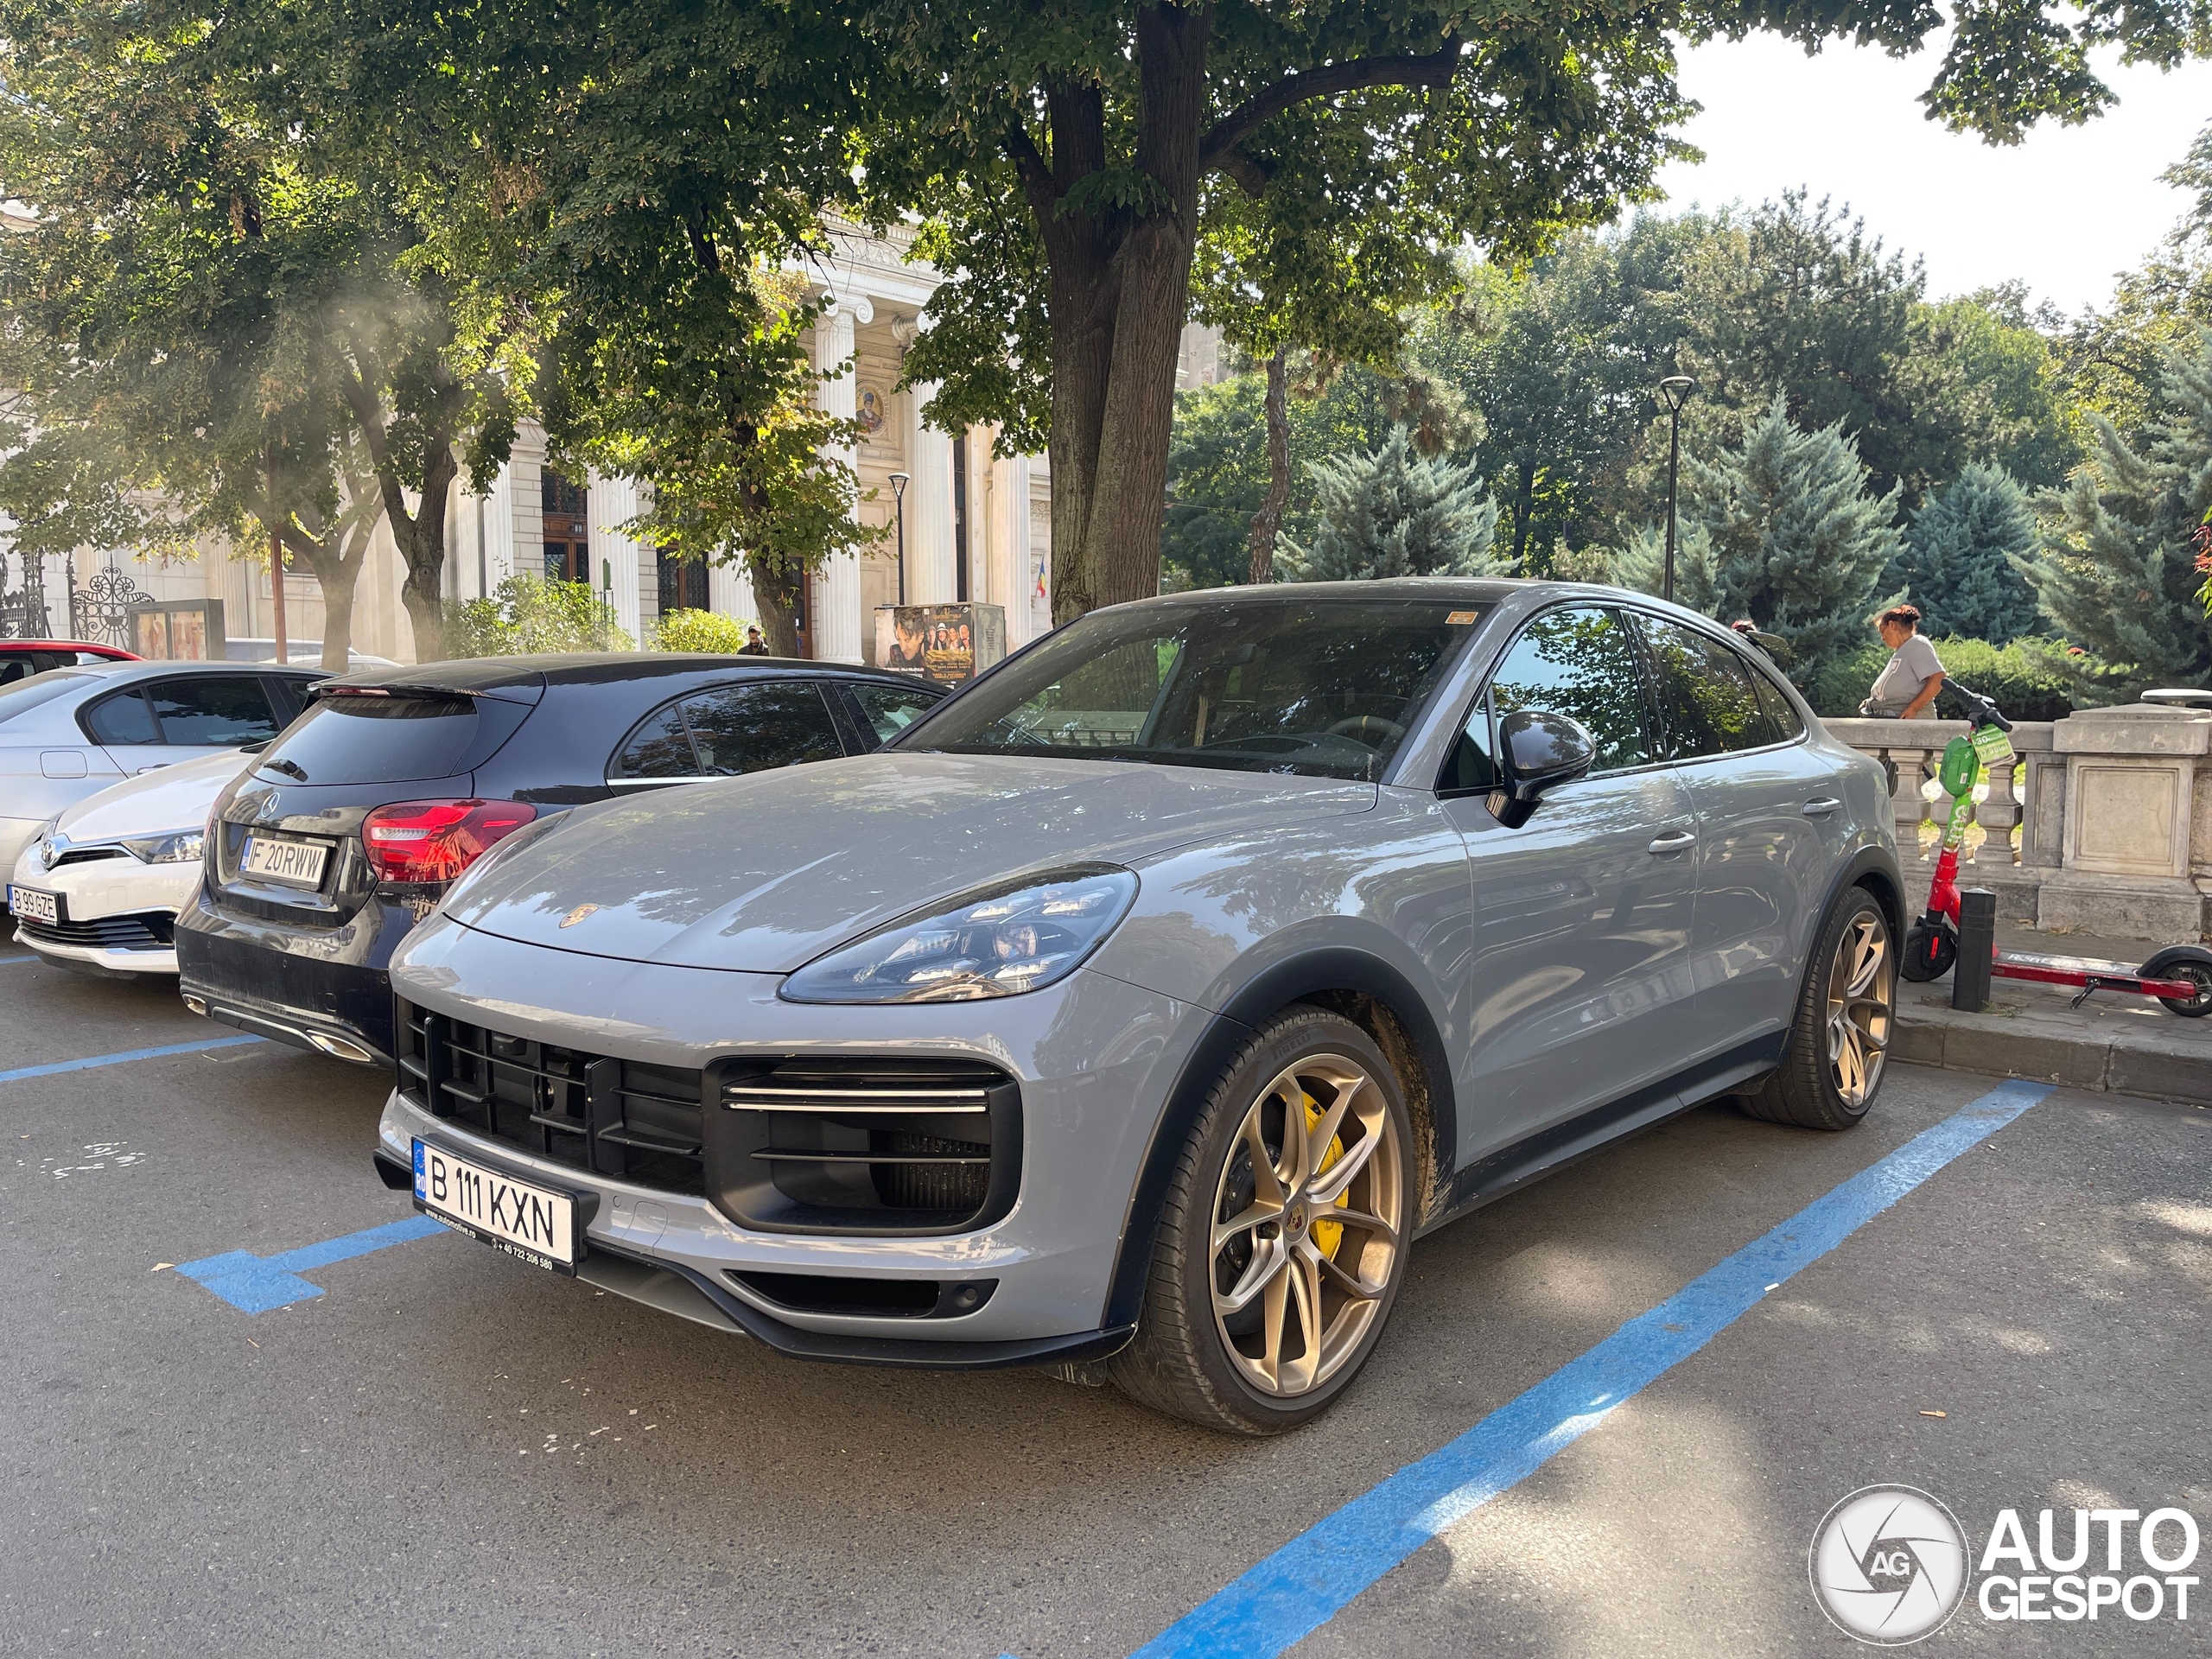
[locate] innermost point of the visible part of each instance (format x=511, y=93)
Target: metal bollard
x=1977, y=944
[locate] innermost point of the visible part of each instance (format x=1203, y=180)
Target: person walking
x=1906, y=686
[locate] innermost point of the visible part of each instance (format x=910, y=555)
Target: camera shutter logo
x=1889, y=1565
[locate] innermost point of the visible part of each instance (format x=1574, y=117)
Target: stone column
x=836, y=635
x=613, y=502
x=1010, y=546
x=929, y=505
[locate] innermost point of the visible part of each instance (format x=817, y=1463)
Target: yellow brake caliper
x=1327, y=1234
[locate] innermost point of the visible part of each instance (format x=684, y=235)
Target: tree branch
x=1435, y=69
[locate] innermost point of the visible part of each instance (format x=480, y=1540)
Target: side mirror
x=1538, y=751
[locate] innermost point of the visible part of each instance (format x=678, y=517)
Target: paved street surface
x=450, y=1452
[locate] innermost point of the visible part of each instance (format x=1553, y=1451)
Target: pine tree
x=1956, y=565
x=2116, y=571
x=1781, y=530
x=1395, y=514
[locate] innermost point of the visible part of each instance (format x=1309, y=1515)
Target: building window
x=683, y=584
x=568, y=528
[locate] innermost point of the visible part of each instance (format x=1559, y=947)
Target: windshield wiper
x=291, y=769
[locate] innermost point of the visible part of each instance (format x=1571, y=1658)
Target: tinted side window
x=887, y=710
x=1706, y=702
x=759, y=728
x=211, y=712
x=1578, y=661
x=122, y=718
x=1780, y=713
x=657, y=747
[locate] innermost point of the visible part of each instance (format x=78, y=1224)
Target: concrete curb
x=2126, y=1054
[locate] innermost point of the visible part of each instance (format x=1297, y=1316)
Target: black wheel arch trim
x=1296, y=979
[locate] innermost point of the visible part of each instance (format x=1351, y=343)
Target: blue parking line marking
x=1313, y=1577
x=255, y=1284
x=4, y=961
x=56, y=1067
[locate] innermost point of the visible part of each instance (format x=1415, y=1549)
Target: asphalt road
x=451, y=1453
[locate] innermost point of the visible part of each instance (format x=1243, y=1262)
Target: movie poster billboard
x=947, y=643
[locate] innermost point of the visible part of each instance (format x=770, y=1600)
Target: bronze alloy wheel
x=1308, y=1220
x=1862, y=1006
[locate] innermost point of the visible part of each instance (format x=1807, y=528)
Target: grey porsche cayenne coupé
x=1134, y=1010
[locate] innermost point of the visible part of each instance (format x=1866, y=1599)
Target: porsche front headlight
x=998, y=941
x=180, y=847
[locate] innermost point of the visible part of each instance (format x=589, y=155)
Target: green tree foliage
x=1957, y=564
x=214, y=304
x=2116, y=569
x=527, y=613
x=1220, y=470
x=707, y=631
x=1793, y=538
x=1395, y=513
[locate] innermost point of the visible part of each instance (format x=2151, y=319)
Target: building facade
x=976, y=527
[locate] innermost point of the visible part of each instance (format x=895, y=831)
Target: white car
x=69, y=733
x=101, y=888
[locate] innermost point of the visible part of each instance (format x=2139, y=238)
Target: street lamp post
x=898, y=481
x=1676, y=388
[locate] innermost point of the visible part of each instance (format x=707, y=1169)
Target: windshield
x=356, y=739
x=1324, y=686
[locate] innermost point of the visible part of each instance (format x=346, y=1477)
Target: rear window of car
x=352, y=738
x=25, y=695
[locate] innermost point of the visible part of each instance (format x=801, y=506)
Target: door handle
x=1673, y=842
x=1821, y=808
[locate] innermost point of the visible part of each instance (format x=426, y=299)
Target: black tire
x=1805, y=1089
x=1930, y=948
x=1185, y=1360
x=2189, y=962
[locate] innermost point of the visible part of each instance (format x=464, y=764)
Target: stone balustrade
x=2113, y=809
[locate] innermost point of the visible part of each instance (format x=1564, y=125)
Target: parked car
x=348, y=829
x=99, y=891
x=21, y=659
x=263, y=650
x=68, y=732
x=1145, y=1001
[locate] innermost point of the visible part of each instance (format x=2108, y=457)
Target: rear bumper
x=235, y=976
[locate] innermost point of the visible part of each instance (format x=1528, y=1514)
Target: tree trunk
x=1118, y=296
x=1523, y=500
x=421, y=536
x=1266, y=524
x=775, y=596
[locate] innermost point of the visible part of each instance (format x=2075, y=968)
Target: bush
x=529, y=613
x=2029, y=679
x=699, y=631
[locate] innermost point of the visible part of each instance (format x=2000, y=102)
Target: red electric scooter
x=2180, y=975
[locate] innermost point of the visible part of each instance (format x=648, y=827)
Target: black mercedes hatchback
x=352, y=824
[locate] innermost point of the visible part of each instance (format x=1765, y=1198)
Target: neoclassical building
x=976, y=527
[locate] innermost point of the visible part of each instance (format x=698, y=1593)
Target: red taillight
x=435, y=841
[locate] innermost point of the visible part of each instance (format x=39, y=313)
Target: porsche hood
x=763, y=873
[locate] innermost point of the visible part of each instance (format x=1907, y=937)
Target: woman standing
x=1906, y=686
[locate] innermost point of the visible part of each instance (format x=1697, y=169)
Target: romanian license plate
x=32, y=906
x=529, y=1222
x=292, y=863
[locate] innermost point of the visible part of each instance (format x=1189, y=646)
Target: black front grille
x=145, y=930
x=810, y=1145
x=613, y=1117
x=783, y=1145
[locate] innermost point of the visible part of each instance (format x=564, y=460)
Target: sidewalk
x=2128, y=1044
